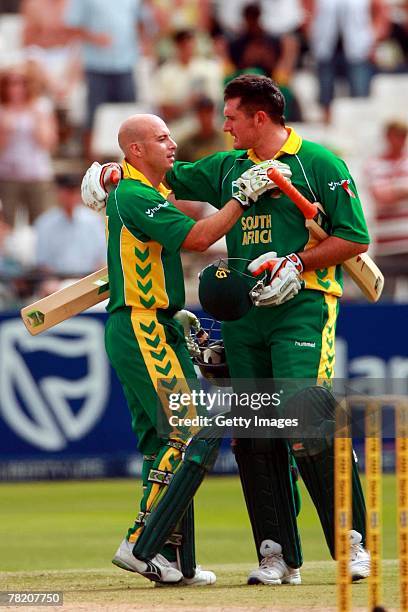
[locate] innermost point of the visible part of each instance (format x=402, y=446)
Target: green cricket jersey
x=145, y=233
x=276, y=224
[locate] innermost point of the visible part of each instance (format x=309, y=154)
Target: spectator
x=110, y=41
x=49, y=43
x=43, y=23
x=280, y=20
x=278, y=16
x=70, y=238
x=256, y=51
x=180, y=81
x=181, y=14
x=343, y=35
x=387, y=178
x=252, y=31
x=207, y=139
x=276, y=54
x=16, y=256
x=220, y=48
x=399, y=35
x=28, y=135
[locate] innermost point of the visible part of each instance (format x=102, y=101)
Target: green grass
x=63, y=535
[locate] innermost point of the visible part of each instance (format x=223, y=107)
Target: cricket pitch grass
x=62, y=536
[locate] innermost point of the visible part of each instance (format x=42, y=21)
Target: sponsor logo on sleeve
x=150, y=212
x=345, y=184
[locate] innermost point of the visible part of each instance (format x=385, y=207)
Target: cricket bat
x=66, y=303
x=362, y=269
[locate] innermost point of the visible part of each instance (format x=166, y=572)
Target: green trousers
x=147, y=349
x=295, y=341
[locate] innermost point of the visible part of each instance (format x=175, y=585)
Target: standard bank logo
x=50, y=411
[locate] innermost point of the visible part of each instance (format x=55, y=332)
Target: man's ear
x=136, y=149
x=260, y=118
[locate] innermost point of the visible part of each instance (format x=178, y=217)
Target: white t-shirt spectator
x=391, y=220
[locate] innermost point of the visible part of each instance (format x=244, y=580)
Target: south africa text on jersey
x=256, y=229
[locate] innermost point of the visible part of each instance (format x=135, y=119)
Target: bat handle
x=308, y=209
x=115, y=177
x=110, y=177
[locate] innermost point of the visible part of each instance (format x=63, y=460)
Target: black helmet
x=224, y=291
x=210, y=355
x=213, y=365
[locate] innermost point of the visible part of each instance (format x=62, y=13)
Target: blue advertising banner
x=63, y=413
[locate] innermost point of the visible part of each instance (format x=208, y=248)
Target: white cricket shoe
x=273, y=569
x=200, y=578
x=157, y=569
x=359, y=557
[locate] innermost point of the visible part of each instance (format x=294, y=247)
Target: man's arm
x=188, y=207
x=331, y=252
x=246, y=190
x=210, y=229
x=76, y=22
x=99, y=39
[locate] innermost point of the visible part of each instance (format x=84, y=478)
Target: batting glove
x=254, y=182
x=190, y=322
x=95, y=182
x=284, y=278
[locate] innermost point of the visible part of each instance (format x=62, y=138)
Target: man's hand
x=190, y=322
x=254, y=182
x=94, y=186
x=284, y=281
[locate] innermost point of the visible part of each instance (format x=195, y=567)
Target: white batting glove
x=189, y=322
x=284, y=281
x=255, y=181
x=96, y=182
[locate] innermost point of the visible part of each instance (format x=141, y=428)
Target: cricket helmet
x=224, y=291
x=210, y=356
x=213, y=365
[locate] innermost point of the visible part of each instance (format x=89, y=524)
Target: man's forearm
x=210, y=229
x=100, y=39
x=330, y=252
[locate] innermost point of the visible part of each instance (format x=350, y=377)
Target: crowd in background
x=71, y=70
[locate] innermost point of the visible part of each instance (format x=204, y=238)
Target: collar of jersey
x=130, y=172
x=291, y=147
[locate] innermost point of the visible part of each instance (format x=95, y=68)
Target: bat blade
x=361, y=268
x=66, y=303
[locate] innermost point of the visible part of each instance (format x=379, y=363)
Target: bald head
x=138, y=129
x=147, y=146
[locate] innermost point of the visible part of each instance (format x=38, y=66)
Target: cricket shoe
x=157, y=569
x=200, y=578
x=359, y=557
x=273, y=569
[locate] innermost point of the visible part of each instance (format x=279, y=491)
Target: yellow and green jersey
x=144, y=233
x=276, y=224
